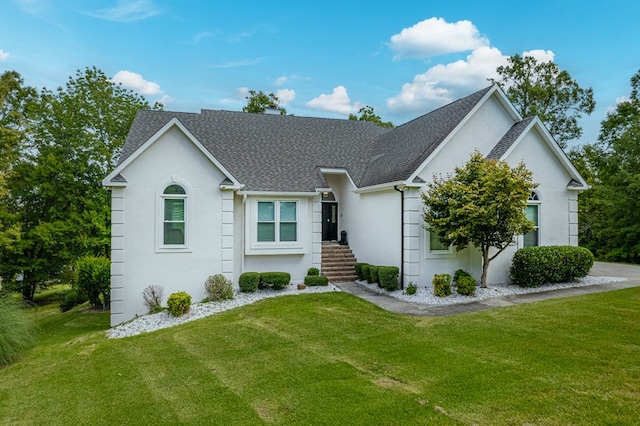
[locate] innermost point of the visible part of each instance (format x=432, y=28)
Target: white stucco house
x=196, y=194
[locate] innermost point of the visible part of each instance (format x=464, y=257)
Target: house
x=196, y=194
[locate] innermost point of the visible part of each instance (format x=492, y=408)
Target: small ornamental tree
x=482, y=204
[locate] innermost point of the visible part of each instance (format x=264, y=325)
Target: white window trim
x=436, y=254
x=161, y=247
x=253, y=246
x=533, y=202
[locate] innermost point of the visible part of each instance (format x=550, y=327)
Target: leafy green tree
x=609, y=212
x=55, y=195
x=542, y=89
x=368, y=114
x=481, y=203
x=258, y=102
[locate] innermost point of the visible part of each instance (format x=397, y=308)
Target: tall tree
x=258, y=102
x=542, y=89
x=481, y=203
x=55, y=192
x=368, y=114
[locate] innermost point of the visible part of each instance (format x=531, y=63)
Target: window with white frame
x=437, y=247
x=532, y=239
x=277, y=221
x=174, y=229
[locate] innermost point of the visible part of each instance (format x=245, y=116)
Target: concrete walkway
x=600, y=269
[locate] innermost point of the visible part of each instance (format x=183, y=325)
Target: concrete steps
x=338, y=263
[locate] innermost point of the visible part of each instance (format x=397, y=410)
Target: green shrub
x=535, y=266
x=388, y=276
x=249, y=282
x=366, y=272
x=466, y=285
x=373, y=273
x=441, y=285
x=359, y=272
x=94, y=278
x=72, y=297
x=313, y=272
x=17, y=330
x=411, y=289
x=460, y=273
x=275, y=280
x=152, y=297
x=218, y=287
x=179, y=303
x=313, y=280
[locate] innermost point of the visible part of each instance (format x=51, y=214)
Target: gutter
x=401, y=188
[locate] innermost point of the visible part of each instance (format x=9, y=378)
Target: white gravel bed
x=425, y=295
x=161, y=320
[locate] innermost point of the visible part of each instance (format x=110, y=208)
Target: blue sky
x=323, y=59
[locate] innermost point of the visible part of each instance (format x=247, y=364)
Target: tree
x=367, y=114
x=542, y=89
x=55, y=195
x=482, y=204
x=609, y=212
x=258, y=102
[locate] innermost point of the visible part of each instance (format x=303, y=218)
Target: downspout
x=242, y=233
x=401, y=189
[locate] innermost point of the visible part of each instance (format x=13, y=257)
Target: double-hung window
x=174, y=199
x=277, y=221
x=532, y=239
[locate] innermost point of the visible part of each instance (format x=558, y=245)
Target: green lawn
x=334, y=359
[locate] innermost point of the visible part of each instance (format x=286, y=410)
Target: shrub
x=388, y=276
x=460, y=273
x=72, y=297
x=249, y=282
x=17, y=330
x=534, y=266
x=359, y=272
x=466, y=285
x=441, y=285
x=179, y=303
x=313, y=272
x=152, y=296
x=94, y=278
x=218, y=287
x=313, y=280
x=373, y=272
x=411, y=289
x=366, y=272
x=275, y=280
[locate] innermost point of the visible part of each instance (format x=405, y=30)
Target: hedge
x=373, y=272
x=313, y=271
x=314, y=280
x=535, y=266
x=275, y=280
x=388, y=276
x=366, y=272
x=359, y=273
x=249, y=282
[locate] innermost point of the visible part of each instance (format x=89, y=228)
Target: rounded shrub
x=366, y=273
x=249, y=281
x=359, y=273
x=373, y=272
x=460, y=273
x=275, y=280
x=411, y=289
x=313, y=271
x=179, y=303
x=218, y=287
x=441, y=285
x=315, y=280
x=466, y=285
x=535, y=266
x=388, y=276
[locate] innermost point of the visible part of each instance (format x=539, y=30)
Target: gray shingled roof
x=285, y=153
x=508, y=139
x=397, y=154
x=269, y=152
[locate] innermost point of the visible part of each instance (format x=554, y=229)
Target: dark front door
x=329, y=221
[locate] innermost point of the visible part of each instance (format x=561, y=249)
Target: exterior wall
x=210, y=237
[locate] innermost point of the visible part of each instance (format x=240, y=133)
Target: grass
x=335, y=359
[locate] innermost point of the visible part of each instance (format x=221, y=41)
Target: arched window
x=174, y=217
x=532, y=211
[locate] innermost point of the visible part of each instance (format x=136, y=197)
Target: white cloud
x=540, y=55
x=435, y=36
x=285, y=95
x=165, y=100
x=135, y=82
x=286, y=78
x=128, y=11
x=3, y=55
x=444, y=83
x=337, y=102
